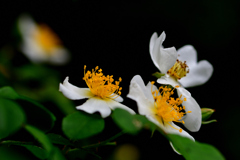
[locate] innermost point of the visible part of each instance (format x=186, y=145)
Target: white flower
x=182, y=70
x=40, y=43
x=188, y=72
x=103, y=95
x=200, y=72
x=158, y=106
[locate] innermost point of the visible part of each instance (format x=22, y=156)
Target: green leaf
x=9, y=93
x=37, y=114
x=194, y=150
x=126, y=121
x=11, y=153
x=56, y=155
x=58, y=139
x=53, y=153
x=12, y=117
x=81, y=125
x=41, y=137
x=29, y=72
x=131, y=123
x=37, y=151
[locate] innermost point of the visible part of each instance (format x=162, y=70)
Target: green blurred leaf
x=131, y=123
x=37, y=114
x=58, y=139
x=126, y=121
x=81, y=125
x=194, y=150
x=11, y=153
x=41, y=137
x=56, y=155
x=37, y=151
x=52, y=152
x=12, y=117
x=9, y=93
x=64, y=104
x=29, y=72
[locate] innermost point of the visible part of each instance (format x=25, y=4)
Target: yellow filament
x=101, y=85
x=166, y=108
x=46, y=38
x=179, y=69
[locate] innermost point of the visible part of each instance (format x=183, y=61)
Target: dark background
x=115, y=36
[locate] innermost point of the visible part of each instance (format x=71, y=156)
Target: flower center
x=46, y=38
x=179, y=69
x=101, y=85
x=166, y=108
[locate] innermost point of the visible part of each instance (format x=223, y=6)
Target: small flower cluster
x=179, y=68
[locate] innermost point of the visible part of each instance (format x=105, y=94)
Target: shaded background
x=115, y=36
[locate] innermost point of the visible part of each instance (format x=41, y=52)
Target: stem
x=107, y=142
x=9, y=142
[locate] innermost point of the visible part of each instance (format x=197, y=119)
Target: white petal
x=152, y=42
x=151, y=117
x=33, y=51
x=189, y=54
x=73, y=92
x=151, y=88
x=95, y=104
x=138, y=89
x=26, y=25
x=192, y=120
x=118, y=99
x=174, y=148
x=171, y=130
x=162, y=58
x=168, y=59
x=155, y=45
x=113, y=105
x=136, y=93
x=182, y=91
x=145, y=106
x=198, y=74
x=59, y=56
x=171, y=81
x=168, y=80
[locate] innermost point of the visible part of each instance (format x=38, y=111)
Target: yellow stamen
x=46, y=38
x=101, y=85
x=166, y=108
x=179, y=69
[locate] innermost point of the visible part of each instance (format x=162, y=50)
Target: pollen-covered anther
x=179, y=69
x=101, y=85
x=167, y=108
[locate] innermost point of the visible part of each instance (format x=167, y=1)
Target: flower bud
x=206, y=113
